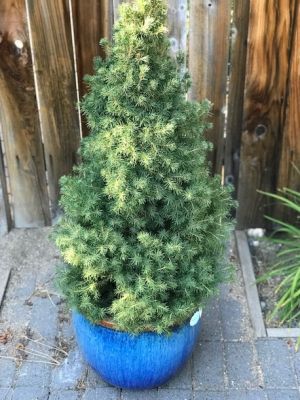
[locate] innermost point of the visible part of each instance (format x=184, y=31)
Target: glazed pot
x=142, y=361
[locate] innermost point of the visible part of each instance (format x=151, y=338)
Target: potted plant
x=145, y=225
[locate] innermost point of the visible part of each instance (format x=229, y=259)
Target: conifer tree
x=145, y=225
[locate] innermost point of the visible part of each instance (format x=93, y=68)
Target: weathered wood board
x=19, y=119
x=177, y=25
x=5, y=212
x=208, y=65
x=238, y=55
x=270, y=26
x=51, y=41
x=87, y=36
x=116, y=4
x=289, y=171
x=261, y=145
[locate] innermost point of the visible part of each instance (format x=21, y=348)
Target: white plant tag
x=195, y=318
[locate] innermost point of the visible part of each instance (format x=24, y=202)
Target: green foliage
x=145, y=225
x=288, y=265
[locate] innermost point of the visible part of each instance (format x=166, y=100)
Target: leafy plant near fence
x=288, y=265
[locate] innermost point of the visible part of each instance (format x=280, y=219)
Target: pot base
x=128, y=361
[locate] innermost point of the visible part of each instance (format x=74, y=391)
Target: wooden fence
x=244, y=56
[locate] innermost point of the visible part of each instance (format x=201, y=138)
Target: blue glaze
x=131, y=361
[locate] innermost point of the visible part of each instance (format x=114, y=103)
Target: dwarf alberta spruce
x=145, y=225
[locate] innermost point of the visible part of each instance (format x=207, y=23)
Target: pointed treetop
x=143, y=16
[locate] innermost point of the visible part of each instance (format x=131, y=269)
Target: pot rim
x=110, y=325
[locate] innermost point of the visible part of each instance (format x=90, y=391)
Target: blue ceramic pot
x=129, y=361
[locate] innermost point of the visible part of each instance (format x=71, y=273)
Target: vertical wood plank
x=51, y=40
x=238, y=55
x=19, y=119
x=289, y=176
x=177, y=24
x=208, y=65
x=5, y=216
x=116, y=4
x=265, y=90
x=92, y=21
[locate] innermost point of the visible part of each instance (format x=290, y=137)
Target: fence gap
x=208, y=60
